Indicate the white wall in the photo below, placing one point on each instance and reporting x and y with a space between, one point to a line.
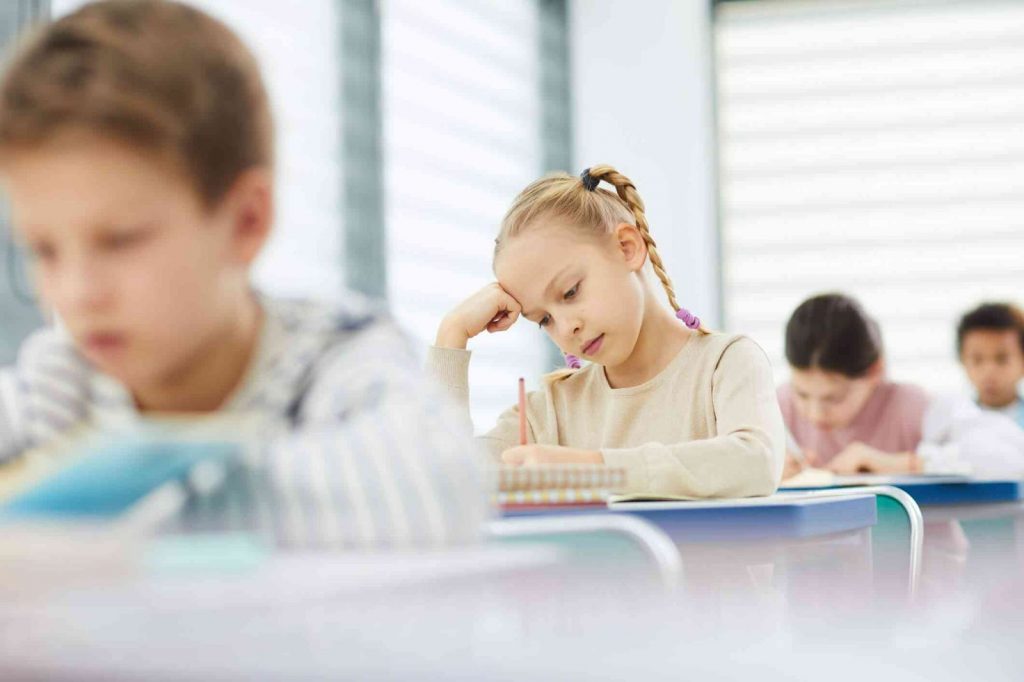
643 103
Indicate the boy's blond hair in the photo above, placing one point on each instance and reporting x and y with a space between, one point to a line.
158 75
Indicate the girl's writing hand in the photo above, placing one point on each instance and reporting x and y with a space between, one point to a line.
491 308
549 454
792 467
795 464
860 458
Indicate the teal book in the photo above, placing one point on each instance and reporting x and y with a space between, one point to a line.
108 479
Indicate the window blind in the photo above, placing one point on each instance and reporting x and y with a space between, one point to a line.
462 131
18 313
876 148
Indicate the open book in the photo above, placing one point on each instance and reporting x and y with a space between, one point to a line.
823 478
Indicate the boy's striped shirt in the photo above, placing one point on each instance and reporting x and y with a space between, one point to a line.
354 448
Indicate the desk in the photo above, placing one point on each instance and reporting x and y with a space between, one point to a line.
781 516
973 529
738 545
927 493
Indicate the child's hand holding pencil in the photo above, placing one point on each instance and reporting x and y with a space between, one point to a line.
526 454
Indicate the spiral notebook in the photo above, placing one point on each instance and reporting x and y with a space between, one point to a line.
558 485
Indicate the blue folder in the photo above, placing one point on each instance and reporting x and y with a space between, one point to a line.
971 492
935 490
781 516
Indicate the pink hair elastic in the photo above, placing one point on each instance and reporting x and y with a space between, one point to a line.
572 361
688 318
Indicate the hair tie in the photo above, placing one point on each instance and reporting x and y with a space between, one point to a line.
572 361
688 318
589 181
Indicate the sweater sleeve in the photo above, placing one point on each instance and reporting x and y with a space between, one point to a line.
449 368
744 459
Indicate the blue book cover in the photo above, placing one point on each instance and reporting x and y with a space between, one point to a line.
109 479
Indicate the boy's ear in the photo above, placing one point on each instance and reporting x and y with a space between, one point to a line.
631 245
250 207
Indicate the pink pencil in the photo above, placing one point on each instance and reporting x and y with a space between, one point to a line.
522 411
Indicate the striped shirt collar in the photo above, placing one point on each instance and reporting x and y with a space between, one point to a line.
294 336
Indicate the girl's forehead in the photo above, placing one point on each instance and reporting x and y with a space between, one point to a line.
541 246
818 380
530 260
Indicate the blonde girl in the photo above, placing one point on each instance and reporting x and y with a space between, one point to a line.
686 411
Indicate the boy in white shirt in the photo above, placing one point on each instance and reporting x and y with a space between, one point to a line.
982 434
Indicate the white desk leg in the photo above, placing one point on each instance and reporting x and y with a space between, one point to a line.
654 541
913 511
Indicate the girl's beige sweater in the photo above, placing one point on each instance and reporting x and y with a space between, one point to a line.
708 425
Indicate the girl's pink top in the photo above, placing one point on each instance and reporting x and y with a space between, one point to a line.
890 421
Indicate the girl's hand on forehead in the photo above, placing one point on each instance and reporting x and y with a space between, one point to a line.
491 309
858 458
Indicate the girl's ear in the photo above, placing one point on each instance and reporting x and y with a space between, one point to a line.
876 372
631 246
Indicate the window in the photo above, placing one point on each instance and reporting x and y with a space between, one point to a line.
462 117
877 148
17 308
